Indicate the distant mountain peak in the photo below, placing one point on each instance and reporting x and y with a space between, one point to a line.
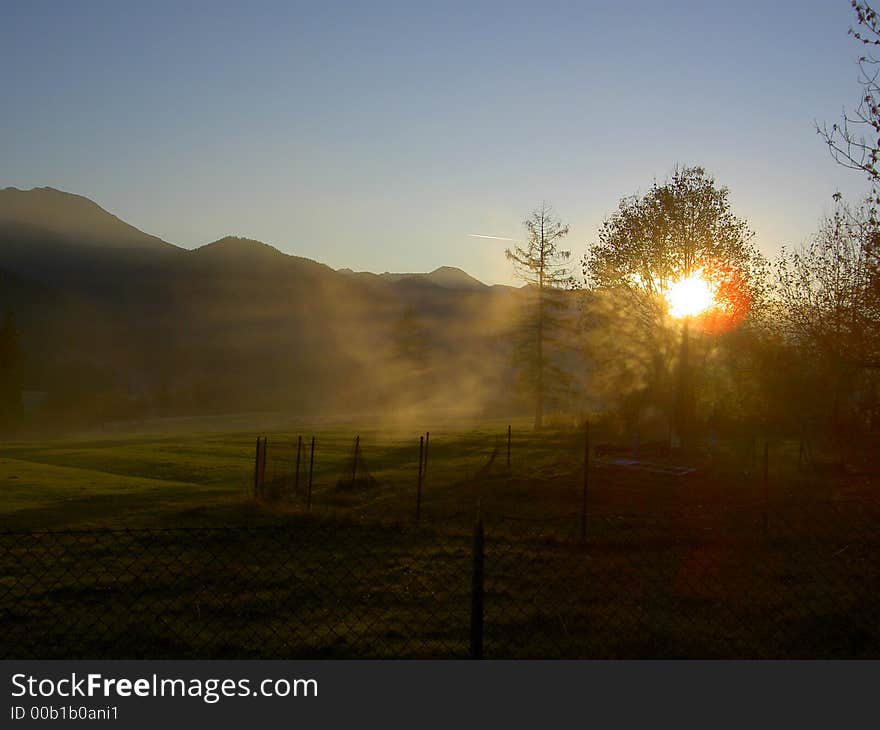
446 277
243 251
78 219
454 278
239 244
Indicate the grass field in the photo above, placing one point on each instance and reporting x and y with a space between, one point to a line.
149 479
711 563
190 477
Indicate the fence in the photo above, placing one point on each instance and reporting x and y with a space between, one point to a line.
714 584
691 586
388 479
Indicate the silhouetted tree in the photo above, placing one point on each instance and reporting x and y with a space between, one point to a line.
830 307
854 142
544 267
676 228
11 374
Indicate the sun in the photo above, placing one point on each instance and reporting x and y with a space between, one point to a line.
690 296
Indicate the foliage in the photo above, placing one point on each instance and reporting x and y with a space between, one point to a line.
678 227
829 300
545 269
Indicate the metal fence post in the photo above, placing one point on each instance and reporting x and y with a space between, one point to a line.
419 487
299 446
766 488
586 480
508 446
425 468
477 591
311 471
354 466
257 468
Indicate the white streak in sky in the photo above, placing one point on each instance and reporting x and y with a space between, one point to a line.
494 238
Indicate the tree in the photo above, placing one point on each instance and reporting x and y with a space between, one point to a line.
544 267
854 142
679 227
11 374
676 228
830 309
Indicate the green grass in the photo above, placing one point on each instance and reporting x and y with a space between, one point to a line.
155 479
149 479
672 566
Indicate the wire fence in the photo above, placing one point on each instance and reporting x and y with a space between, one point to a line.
697 586
319 590
735 583
388 479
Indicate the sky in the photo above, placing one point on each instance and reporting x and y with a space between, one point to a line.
377 136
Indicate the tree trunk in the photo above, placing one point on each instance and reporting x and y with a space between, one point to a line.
539 396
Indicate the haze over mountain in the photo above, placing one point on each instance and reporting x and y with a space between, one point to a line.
116 322
448 277
74 218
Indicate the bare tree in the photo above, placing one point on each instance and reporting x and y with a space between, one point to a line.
544 267
854 142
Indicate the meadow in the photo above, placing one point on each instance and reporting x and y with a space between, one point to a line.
150 543
175 473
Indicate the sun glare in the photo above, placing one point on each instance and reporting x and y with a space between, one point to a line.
691 296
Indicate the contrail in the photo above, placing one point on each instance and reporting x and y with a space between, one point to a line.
494 238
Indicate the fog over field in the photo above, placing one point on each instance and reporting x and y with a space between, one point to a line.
117 324
398 330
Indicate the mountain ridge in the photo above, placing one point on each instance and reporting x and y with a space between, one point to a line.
74 217
47 213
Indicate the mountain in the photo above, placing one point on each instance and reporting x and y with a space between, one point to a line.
453 278
73 217
117 323
447 277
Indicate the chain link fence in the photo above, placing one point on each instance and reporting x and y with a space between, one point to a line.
739 582
689 585
315 590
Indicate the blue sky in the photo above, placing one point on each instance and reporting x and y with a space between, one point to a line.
377 135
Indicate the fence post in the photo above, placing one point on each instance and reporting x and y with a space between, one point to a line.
257 468
586 480
311 471
766 487
263 461
508 446
354 466
425 468
477 591
419 487
299 446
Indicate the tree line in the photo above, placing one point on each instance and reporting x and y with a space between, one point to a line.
788 345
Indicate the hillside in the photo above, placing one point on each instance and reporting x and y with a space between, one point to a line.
117 323
447 277
74 217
